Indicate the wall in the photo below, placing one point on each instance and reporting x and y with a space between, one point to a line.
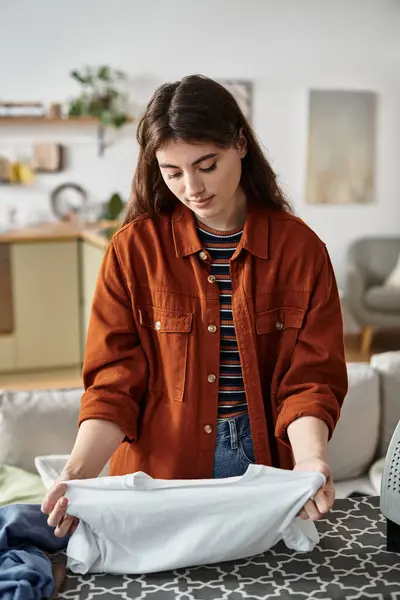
285 46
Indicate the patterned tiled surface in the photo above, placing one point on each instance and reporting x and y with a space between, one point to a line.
349 563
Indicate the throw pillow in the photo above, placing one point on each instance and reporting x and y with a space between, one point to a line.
394 278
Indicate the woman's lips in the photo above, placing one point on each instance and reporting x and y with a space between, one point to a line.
202 203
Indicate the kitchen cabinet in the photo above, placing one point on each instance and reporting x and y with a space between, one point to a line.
90 259
8 359
45 289
6 308
48 275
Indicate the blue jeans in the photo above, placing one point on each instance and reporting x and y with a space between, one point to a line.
234 450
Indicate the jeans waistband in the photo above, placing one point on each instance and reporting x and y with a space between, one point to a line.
235 427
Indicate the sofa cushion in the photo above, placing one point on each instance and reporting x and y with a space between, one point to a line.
387 366
36 423
383 298
20 487
394 278
355 439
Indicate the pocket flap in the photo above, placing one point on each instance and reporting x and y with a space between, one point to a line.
279 319
165 321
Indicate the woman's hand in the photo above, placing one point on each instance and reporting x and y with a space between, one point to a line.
325 497
55 505
95 443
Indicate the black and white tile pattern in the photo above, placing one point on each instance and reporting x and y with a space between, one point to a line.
350 562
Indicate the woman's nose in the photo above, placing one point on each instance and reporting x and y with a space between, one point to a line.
194 187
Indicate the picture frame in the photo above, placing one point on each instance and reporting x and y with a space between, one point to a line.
242 91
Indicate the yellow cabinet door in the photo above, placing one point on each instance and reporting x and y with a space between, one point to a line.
7 353
91 258
45 279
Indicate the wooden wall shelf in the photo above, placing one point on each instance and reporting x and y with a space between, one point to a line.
73 121
48 121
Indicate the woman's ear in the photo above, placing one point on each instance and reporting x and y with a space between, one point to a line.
241 144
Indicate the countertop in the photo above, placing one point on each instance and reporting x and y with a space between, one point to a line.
50 232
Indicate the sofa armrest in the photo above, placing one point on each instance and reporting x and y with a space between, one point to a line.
355 288
350 455
387 365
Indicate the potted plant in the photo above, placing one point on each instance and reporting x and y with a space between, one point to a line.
102 95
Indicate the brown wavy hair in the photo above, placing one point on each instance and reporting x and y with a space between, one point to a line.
196 109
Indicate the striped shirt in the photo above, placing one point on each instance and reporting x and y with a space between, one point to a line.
221 246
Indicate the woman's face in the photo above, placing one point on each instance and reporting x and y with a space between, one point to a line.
204 177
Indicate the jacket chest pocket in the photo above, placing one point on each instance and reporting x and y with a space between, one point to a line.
279 320
277 332
165 340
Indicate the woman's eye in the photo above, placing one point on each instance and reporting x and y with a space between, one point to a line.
209 169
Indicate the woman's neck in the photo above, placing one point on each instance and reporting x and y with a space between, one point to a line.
233 216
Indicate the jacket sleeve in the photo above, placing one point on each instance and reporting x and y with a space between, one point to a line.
115 370
316 381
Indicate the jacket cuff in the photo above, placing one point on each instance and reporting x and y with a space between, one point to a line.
122 411
314 405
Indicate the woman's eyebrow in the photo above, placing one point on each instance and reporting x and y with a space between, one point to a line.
196 162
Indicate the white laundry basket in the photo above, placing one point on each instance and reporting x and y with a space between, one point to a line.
51 466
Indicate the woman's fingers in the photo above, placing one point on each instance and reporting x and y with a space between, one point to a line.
323 501
303 515
75 523
52 497
58 512
312 511
55 505
318 507
64 527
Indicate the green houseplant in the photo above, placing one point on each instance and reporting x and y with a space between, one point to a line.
101 96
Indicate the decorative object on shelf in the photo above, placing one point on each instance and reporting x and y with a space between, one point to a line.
48 158
22 173
22 109
113 208
54 111
5 169
102 96
242 91
17 172
68 201
341 152
113 211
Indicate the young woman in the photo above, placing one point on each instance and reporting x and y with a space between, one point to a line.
215 338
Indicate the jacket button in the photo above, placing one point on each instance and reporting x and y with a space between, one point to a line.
208 429
157 325
279 325
211 279
203 255
212 328
211 378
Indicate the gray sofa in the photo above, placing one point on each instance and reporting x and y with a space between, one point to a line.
372 304
38 428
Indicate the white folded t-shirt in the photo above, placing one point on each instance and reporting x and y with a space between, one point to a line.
135 524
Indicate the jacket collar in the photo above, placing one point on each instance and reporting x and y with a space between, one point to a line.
254 238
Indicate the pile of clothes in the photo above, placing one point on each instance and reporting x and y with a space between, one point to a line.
26 545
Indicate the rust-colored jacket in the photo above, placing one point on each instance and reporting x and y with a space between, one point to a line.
149 352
